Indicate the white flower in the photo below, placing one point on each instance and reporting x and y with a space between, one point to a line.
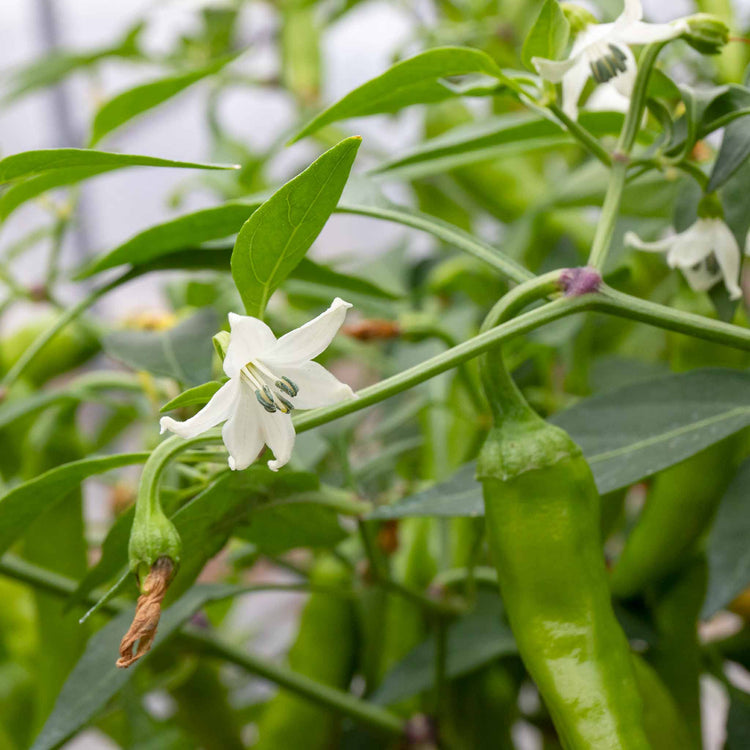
602 51
268 378
705 253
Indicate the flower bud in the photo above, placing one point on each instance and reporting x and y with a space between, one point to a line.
153 537
710 207
706 33
578 18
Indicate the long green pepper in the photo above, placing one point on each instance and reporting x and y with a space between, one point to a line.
542 518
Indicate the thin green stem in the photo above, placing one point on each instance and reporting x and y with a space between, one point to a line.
502 393
201 642
328 697
444 361
610 209
66 317
634 115
611 301
582 135
618 176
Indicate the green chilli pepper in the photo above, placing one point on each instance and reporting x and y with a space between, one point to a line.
678 512
542 519
324 651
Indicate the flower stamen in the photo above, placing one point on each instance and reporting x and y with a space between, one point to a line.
608 64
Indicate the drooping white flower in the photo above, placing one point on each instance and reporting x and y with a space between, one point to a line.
706 253
602 51
268 379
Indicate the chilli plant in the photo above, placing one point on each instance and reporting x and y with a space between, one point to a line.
494 477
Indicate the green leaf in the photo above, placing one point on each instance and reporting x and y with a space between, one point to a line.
734 152
95 679
727 550
178 237
323 275
548 36
276 237
184 353
172 236
200 394
412 81
473 641
32 163
25 502
490 139
626 434
133 102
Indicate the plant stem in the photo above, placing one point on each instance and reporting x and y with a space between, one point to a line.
581 134
66 317
618 176
610 209
328 697
191 637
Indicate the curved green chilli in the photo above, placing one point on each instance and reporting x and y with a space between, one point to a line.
542 520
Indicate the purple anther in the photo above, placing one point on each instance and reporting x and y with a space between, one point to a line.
581 280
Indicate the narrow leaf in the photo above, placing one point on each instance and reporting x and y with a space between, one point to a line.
129 104
548 36
276 237
626 434
413 81
31 163
25 502
490 139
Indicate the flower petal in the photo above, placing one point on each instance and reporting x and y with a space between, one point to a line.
572 88
219 408
648 33
250 339
632 12
309 340
727 253
317 386
700 277
631 239
554 70
242 433
278 432
625 81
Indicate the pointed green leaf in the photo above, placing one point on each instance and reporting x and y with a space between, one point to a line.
626 434
548 36
276 237
25 502
129 104
734 152
48 160
413 81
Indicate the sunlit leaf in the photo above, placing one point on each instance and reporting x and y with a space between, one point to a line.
276 237
413 81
